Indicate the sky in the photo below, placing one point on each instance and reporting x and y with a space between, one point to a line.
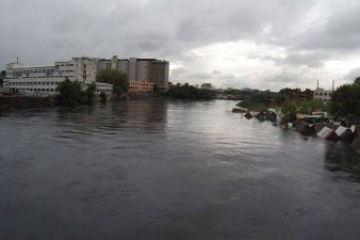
267 44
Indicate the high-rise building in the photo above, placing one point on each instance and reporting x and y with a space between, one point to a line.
159 74
145 70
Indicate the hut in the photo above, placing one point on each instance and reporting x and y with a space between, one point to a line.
319 126
346 134
328 134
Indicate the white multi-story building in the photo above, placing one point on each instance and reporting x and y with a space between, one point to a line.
43 80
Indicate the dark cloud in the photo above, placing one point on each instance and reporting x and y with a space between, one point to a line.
353 74
340 30
42 31
311 59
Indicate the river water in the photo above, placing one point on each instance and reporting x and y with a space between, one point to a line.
148 169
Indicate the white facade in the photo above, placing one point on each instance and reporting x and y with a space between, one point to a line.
103 87
43 80
323 94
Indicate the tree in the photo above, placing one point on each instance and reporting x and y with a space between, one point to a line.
69 92
289 109
345 101
357 81
118 79
313 105
187 91
90 93
103 97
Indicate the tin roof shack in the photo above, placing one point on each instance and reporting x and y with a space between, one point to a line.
328 134
346 134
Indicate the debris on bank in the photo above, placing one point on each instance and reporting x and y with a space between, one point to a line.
315 124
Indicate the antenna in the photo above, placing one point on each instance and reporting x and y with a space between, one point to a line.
333 85
318 83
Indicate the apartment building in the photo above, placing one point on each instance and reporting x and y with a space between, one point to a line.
141 86
143 73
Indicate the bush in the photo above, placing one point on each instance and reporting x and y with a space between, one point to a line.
69 92
103 97
187 91
313 105
90 93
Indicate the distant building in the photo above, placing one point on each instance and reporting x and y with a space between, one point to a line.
148 71
288 94
141 86
207 86
106 88
324 95
43 80
144 74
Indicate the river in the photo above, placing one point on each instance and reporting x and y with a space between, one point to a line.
147 169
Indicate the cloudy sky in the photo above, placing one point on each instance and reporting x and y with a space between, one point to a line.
267 44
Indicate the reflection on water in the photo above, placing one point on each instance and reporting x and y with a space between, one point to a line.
170 170
340 158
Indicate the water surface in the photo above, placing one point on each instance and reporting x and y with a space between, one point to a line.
170 170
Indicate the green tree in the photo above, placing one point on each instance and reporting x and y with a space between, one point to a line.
118 79
103 97
289 109
187 91
357 81
257 100
69 92
309 106
90 93
345 101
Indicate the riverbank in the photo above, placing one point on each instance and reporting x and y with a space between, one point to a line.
8 103
318 125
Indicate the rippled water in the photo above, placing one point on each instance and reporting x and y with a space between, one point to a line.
170 170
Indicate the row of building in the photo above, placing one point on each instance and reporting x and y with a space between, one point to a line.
144 74
289 94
